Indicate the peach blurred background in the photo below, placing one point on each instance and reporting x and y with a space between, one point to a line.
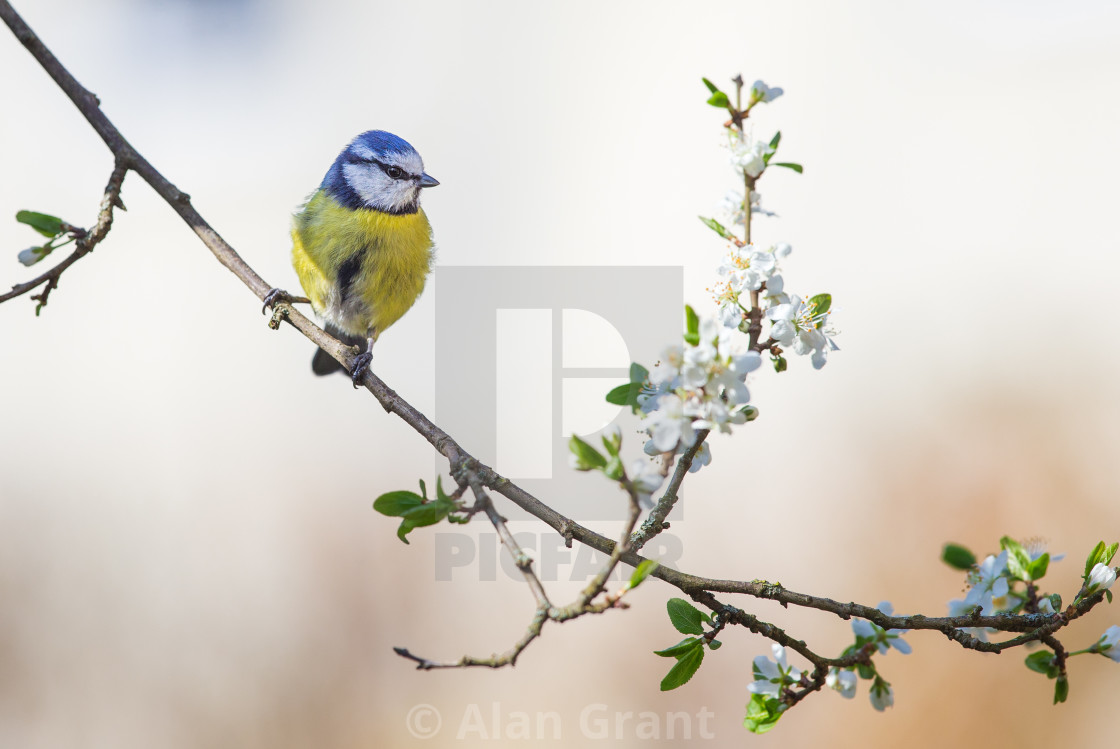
187 551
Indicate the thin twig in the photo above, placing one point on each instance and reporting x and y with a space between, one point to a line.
85 243
523 561
582 604
508 658
655 522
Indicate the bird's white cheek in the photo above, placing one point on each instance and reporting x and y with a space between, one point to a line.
410 195
369 182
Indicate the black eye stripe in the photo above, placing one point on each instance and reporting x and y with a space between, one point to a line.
385 168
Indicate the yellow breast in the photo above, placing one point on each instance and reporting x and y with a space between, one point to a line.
361 269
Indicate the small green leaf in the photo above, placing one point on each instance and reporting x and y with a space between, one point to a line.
1061 689
1109 553
684 616
1018 560
586 457
685 667
865 671
763 713
820 304
396 504
419 517
712 88
716 226
644 569
627 395
719 99
773 148
48 226
789 165
1094 557
620 395
1037 568
957 556
426 514
1041 662
715 644
1108 595
1056 601
691 320
613 469
676 651
780 363
612 441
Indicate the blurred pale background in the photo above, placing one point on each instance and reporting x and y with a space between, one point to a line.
187 551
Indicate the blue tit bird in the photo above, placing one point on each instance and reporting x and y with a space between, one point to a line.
361 244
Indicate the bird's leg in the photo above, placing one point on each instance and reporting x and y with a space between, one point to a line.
362 362
276 296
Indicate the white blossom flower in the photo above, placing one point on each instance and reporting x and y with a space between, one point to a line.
883 639
761 92
894 636
731 315
702 458
775 291
748 154
668 367
717 417
744 269
669 424
988 584
770 677
31 255
843 682
797 325
882 696
646 479
731 207
1036 547
1101 577
1044 606
731 377
700 385
1109 644
958 607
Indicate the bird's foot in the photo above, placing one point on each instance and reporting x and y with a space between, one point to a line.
361 366
279 296
273 297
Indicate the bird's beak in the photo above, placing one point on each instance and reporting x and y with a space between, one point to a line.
427 180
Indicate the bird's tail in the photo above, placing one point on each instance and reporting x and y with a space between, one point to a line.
323 363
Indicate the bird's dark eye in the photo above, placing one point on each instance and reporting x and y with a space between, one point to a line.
395 172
